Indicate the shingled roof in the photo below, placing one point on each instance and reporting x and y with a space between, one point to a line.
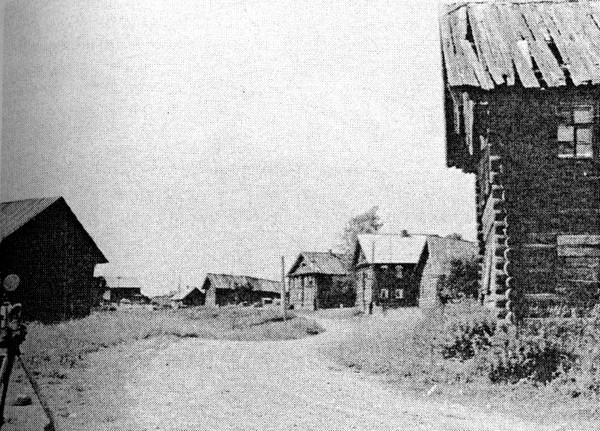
229 281
539 43
317 262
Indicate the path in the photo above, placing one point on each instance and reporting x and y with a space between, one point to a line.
223 385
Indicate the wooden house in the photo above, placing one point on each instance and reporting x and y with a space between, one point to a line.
226 289
522 92
403 270
319 280
118 288
191 296
385 269
42 242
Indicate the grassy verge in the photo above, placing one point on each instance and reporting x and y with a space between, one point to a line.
451 356
50 349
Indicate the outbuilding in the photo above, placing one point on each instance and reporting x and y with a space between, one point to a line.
191 296
43 242
226 289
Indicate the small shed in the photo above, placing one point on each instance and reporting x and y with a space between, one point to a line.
43 242
318 280
224 289
191 296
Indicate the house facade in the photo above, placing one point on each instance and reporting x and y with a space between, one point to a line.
227 289
42 242
385 269
319 280
521 83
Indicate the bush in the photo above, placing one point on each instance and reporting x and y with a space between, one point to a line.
460 283
525 355
467 332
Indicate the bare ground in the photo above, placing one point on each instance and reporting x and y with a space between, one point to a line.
217 385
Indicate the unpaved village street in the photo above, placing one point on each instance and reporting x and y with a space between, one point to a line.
222 385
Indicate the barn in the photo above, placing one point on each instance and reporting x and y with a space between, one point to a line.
42 242
522 86
191 296
435 264
317 280
226 289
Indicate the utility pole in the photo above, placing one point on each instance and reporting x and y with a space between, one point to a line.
283 298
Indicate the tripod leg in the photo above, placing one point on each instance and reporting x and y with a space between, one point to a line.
52 425
5 370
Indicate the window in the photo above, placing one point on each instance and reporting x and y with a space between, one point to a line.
399 271
399 294
383 294
575 131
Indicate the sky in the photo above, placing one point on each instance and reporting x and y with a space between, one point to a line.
194 136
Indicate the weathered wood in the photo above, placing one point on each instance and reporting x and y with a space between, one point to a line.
578 240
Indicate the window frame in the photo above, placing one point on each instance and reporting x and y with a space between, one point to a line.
565 111
399 290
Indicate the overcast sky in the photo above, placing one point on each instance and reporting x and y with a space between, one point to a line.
192 136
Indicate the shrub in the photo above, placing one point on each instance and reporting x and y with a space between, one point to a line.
460 283
467 332
529 357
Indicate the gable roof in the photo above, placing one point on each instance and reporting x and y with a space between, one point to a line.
390 248
14 215
118 282
316 262
182 294
229 281
539 43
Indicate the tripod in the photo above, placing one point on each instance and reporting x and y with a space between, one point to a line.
12 334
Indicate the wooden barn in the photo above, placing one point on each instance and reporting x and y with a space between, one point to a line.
319 280
436 262
522 92
117 288
385 269
191 296
42 242
226 289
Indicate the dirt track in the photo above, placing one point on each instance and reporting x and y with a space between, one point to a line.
221 385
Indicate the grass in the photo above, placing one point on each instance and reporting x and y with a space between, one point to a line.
406 352
50 349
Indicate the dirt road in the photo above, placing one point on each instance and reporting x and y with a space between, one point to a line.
222 385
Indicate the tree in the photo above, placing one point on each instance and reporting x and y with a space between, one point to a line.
367 222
